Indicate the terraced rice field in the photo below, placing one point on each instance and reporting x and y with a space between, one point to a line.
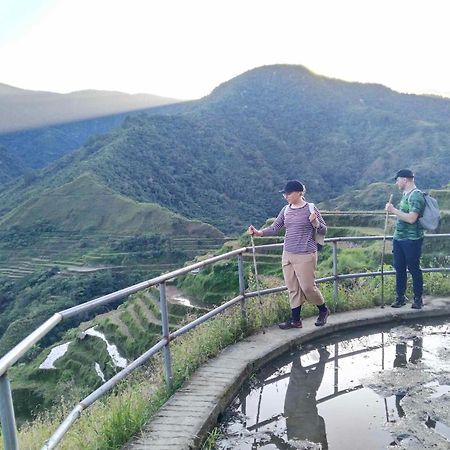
84 254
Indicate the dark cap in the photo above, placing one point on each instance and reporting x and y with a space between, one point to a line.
404 173
293 186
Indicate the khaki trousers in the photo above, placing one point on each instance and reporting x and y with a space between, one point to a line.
299 275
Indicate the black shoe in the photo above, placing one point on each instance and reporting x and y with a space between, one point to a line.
417 303
399 302
322 319
290 324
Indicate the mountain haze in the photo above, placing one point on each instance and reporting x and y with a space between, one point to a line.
46 126
24 109
38 147
223 158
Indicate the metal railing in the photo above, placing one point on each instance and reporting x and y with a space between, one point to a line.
7 416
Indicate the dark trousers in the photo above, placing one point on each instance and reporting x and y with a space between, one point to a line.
407 256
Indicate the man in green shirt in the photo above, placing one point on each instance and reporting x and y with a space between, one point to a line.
408 238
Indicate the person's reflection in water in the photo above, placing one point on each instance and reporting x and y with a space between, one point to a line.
300 408
416 353
401 361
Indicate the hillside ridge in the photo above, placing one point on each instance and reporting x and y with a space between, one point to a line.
22 109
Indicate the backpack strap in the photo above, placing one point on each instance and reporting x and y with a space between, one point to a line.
409 196
411 193
310 206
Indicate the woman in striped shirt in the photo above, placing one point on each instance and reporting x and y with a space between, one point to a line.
299 258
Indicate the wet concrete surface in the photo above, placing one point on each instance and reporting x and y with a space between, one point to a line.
369 389
184 421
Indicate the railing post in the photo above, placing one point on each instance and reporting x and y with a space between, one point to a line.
335 273
242 286
7 418
165 330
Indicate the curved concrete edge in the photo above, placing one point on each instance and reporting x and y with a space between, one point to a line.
186 418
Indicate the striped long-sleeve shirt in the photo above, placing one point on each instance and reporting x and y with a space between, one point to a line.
299 236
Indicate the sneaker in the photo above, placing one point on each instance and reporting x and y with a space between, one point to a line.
399 302
322 319
417 303
290 324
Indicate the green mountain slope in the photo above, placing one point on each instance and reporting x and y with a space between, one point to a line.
223 158
371 198
374 196
80 240
37 128
85 205
36 148
10 166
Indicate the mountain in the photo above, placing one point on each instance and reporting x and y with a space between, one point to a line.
375 195
79 240
223 158
10 166
36 128
38 147
83 205
23 109
372 197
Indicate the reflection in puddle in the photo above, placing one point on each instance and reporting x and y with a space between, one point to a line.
439 427
353 392
439 389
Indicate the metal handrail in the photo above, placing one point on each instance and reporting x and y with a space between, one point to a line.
6 407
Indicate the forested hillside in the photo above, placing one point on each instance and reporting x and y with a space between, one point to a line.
222 159
219 160
10 166
35 148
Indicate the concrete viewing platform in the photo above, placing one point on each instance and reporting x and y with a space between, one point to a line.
185 419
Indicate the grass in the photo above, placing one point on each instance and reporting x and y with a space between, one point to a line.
210 442
111 422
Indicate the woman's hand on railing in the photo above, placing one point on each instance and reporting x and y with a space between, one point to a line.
253 231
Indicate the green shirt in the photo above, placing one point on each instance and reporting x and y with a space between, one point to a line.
410 202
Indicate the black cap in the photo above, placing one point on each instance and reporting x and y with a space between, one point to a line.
293 186
404 173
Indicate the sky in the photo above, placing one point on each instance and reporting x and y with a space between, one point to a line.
183 49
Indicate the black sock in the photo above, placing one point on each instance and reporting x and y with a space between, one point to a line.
322 307
296 314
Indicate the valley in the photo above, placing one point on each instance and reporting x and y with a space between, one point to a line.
93 206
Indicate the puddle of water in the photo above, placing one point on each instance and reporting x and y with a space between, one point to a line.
57 352
438 388
350 392
118 360
441 428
